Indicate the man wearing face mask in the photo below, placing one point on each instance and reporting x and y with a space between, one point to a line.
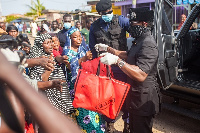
66 26
110 30
140 65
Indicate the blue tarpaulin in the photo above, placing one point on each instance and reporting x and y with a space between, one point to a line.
21 20
179 2
16 21
197 1
185 1
191 1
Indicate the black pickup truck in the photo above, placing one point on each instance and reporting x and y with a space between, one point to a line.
179 57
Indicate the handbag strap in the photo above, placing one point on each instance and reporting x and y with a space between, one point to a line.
108 70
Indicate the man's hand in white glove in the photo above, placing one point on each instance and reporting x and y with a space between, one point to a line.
109 59
10 55
101 47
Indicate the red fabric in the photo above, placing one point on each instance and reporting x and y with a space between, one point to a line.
92 65
180 25
60 50
29 128
56 53
99 93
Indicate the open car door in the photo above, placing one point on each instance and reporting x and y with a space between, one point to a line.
164 36
168 44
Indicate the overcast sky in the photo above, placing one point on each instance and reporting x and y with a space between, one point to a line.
20 6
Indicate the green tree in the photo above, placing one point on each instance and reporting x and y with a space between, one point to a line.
36 8
10 18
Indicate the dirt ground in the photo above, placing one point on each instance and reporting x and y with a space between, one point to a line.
171 122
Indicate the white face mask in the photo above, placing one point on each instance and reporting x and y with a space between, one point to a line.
107 17
67 25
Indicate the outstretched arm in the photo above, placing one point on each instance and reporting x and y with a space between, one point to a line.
121 54
45 62
48 118
105 48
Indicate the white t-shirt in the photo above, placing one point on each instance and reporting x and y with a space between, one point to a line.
34 25
16 24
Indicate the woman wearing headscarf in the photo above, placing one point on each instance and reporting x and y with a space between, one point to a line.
77 52
61 100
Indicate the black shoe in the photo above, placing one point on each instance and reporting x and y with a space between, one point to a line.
110 128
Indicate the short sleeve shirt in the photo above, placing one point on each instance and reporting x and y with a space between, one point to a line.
143 96
145 57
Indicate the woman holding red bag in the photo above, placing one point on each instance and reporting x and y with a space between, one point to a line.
78 52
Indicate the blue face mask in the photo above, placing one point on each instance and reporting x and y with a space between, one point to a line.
107 17
67 25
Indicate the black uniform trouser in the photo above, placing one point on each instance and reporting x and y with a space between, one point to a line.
140 124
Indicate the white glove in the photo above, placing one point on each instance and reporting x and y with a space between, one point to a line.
109 59
101 47
10 55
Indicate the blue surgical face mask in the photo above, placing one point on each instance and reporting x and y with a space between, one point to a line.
67 25
107 17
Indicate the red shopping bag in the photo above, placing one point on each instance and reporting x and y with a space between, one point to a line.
101 94
92 66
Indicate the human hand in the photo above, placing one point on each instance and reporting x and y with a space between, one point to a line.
65 59
109 59
58 84
47 62
101 47
88 55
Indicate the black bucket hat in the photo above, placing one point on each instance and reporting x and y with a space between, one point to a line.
141 14
103 5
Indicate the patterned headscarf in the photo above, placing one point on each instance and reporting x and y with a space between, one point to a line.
40 39
37 50
68 40
45 26
72 30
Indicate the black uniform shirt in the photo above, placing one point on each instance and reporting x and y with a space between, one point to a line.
143 98
62 35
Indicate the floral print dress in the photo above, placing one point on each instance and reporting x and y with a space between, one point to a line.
89 121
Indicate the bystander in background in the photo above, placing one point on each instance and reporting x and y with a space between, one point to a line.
85 31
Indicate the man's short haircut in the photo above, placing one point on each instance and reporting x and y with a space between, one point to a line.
88 21
66 15
1 24
11 27
78 22
55 21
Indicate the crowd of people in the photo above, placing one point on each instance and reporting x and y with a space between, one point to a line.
51 67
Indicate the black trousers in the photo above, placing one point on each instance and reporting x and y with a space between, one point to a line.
140 124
